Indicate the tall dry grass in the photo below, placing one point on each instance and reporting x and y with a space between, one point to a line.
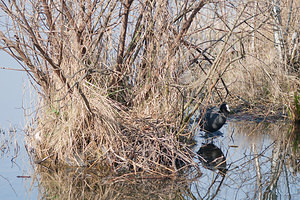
119 80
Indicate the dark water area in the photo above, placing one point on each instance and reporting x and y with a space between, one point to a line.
244 160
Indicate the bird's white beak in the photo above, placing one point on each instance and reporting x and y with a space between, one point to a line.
227 108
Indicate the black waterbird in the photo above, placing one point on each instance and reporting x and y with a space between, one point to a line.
212 119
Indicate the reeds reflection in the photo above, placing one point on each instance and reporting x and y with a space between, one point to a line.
80 183
261 160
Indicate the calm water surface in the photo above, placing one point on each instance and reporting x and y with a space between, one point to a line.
14 167
13 157
245 160
262 162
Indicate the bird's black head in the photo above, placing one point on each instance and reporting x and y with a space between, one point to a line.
224 108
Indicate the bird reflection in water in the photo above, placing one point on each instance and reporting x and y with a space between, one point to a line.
212 158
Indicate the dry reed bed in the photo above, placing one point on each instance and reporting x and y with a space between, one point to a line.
110 136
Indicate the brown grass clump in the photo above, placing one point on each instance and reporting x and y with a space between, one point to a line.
115 140
111 136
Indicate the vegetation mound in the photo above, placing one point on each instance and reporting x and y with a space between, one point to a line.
118 81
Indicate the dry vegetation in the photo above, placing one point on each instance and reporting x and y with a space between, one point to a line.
116 78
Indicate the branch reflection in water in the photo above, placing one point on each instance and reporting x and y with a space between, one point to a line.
80 183
262 162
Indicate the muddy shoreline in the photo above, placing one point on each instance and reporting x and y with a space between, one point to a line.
258 114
